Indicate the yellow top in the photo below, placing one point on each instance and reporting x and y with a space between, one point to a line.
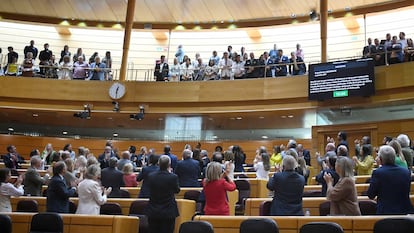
276 159
365 166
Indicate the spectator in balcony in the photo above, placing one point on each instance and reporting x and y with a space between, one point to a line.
297 66
225 65
402 40
268 69
238 68
409 50
27 66
187 71
64 52
52 69
180 54
46 54
251 67
77 54
97 71
243 51
12 58
369 50
161 70
199 70
388 41
229 51
65 69
343 195
211 71
282 61
175 71
31 48
396 48
273 52
92 58
288 189
80 69
299 52
215 58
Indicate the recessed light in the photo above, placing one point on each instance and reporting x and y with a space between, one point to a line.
290 116
239 118
77 136
283 116
35 115
265 137
64 132
160 119
115 134
210 119
10 129
214 136
261 117
109 118
232 118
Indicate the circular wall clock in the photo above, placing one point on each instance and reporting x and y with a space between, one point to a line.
117 91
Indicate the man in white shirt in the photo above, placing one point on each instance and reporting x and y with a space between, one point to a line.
225 65
238 68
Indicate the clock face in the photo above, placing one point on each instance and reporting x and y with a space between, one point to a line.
117 91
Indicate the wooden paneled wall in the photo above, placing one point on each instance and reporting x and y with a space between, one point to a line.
25 144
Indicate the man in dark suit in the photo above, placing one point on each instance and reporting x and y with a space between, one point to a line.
103 159
161 69
304 153
32 180
288 189
144 174
12 159
174 160
57 192
188 170
112 177
391 185
162 208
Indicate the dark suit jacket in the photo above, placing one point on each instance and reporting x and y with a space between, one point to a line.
33 182
58 195
188 171
391 185
111 177
163 185
306 156
161 74
319 178
288 192
104 162
9 163
143 176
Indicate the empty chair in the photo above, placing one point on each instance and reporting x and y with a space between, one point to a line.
321 227
125 194
46 223
259 225
137 208
264 208
312 193
192 195
368 207
72 207
196 227
5 223
243 186
111 208
325 208
397 225
27 206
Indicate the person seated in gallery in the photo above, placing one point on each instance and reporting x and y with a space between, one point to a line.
297 66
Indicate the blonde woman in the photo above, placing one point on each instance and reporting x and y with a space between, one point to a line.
399 159
215 187
130 178
343 195
90 192
261 165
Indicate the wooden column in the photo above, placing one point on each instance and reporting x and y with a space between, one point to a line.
129 20
324 29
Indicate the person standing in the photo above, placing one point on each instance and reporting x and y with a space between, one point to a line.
288 189
161 69
215 187
7 189
112 177
32 180
180 54
12 159
90 192
162 208
188 170
32 49
390 185
343 195
58 192
97 70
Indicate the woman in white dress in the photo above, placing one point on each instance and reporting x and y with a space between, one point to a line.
91 195
8 189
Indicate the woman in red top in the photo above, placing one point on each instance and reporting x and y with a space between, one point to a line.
130 178
216 184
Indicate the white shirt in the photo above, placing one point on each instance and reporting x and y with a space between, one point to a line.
261 173
90 197
238 69
187 71
7 190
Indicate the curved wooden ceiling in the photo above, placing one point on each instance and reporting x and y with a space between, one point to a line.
182 11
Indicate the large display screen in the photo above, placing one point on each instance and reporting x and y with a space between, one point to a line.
341 79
